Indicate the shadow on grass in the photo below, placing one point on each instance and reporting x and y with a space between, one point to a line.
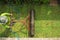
45 12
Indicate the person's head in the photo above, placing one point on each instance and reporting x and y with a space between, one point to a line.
3 19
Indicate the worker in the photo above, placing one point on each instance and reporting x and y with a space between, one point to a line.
5 19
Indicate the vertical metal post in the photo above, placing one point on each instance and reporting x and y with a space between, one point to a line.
31 23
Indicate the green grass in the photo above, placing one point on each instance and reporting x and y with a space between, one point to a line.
46 24
47 28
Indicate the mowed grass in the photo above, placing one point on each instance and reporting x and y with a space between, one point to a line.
47 28
47 21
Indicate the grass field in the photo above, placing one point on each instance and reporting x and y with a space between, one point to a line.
47 20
